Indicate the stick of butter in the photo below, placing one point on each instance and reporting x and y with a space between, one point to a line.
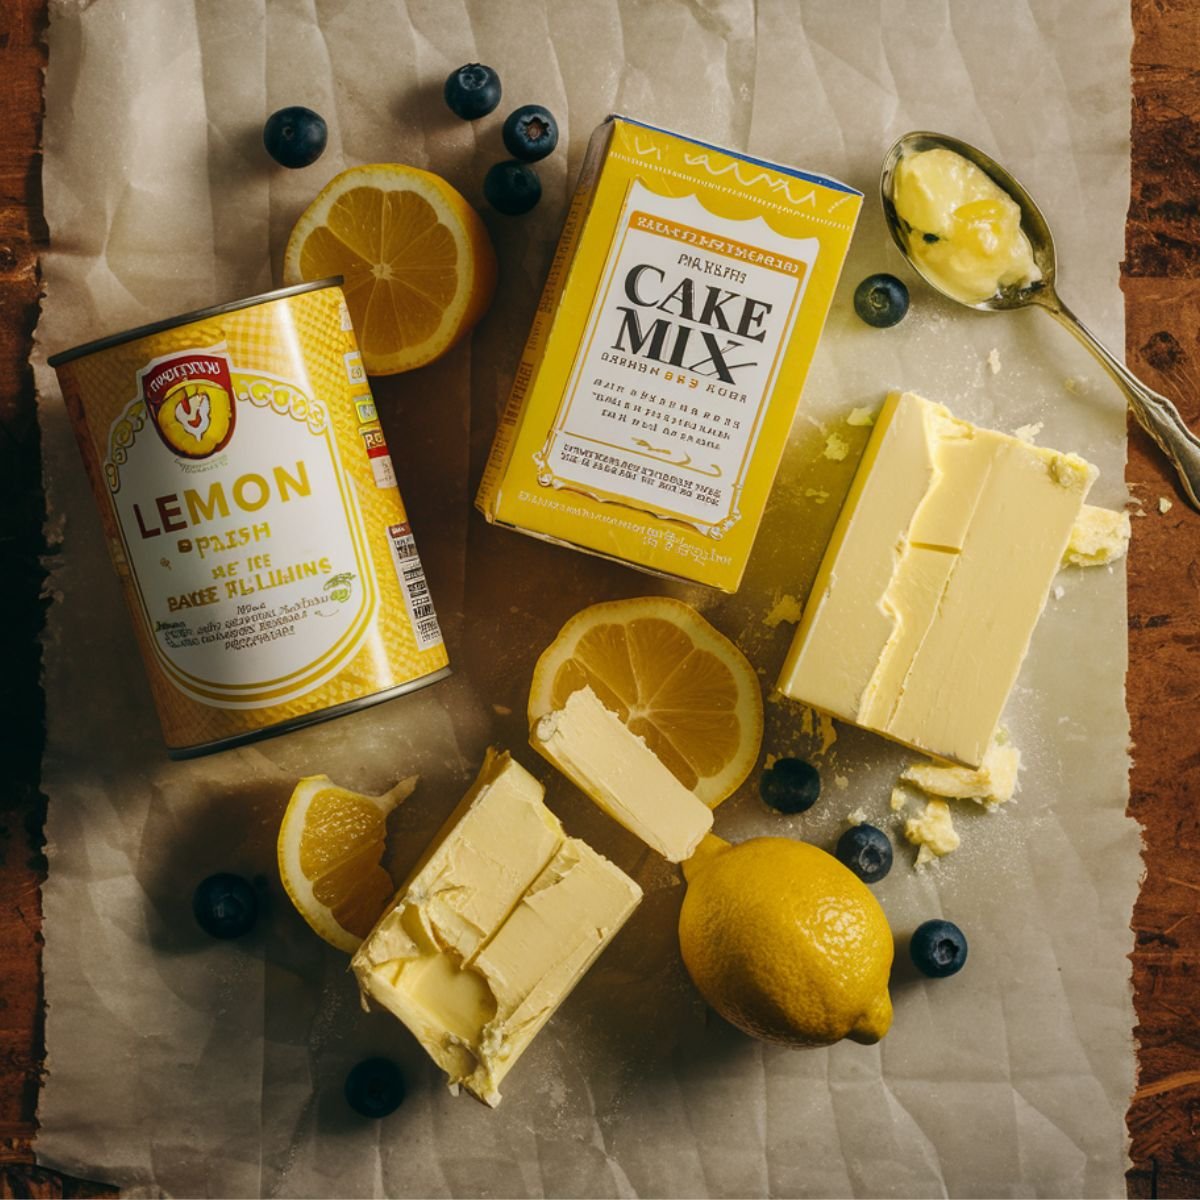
593 748
497 923
937 571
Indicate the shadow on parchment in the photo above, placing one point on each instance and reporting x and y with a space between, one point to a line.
226 829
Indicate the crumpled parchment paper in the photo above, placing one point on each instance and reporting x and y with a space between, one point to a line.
185 1066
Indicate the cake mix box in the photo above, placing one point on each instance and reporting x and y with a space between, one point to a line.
666 359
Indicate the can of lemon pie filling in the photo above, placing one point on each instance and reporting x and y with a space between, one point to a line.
252 514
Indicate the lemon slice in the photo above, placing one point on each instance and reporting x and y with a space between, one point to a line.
676 682
330 846
418 269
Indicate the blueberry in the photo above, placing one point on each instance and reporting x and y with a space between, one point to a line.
295 137
881 300
938 948
225 906
375 1087
791 785
530 133
472 91
512 188
866 851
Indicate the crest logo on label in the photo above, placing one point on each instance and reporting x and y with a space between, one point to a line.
189 397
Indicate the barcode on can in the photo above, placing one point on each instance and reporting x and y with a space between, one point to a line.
414 586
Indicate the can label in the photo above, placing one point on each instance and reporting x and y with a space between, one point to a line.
254 517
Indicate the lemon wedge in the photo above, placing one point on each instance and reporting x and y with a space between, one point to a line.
330 847
674 680
417 267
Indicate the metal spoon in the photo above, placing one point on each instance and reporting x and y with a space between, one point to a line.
1156 414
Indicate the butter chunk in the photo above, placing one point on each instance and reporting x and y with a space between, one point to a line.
544 948
993 783
937 571
1099 536
499 838
932 832
614 767
495 926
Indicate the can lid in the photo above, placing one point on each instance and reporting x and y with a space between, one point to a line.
199 314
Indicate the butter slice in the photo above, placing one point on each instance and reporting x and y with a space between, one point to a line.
496 925
614 767
937 571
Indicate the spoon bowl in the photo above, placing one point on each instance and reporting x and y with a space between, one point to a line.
1155 413
1033 224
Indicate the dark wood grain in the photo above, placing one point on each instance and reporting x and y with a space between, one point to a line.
1161 282
22 234
22 867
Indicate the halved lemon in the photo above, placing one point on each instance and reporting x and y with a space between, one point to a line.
417 266
684 688
330 846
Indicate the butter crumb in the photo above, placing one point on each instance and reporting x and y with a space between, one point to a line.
786 608
898 799
502 710
826 730
857 817
770 761
1100 536
993 359
817 724
841 782
932 832
836 447
1059 591
819 495
1027 433
1165 505
860 416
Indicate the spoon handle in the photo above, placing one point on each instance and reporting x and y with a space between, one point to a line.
1155 414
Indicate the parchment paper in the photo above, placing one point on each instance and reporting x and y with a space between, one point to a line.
185 1066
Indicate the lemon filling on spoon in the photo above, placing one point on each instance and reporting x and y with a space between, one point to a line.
963 230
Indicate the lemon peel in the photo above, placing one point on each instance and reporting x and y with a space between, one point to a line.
329 850
786 943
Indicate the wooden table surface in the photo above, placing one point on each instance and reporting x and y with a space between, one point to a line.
1161 283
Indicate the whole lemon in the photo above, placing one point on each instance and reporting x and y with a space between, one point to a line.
786 943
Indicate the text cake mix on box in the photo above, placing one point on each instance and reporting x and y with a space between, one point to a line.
667 355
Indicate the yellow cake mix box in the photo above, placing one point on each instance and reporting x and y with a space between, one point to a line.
663 370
